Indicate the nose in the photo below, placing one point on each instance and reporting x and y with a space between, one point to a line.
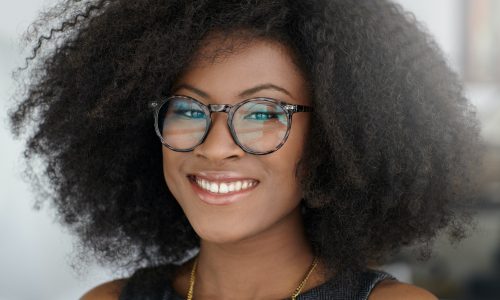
218 144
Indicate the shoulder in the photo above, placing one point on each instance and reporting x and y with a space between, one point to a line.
395 290
107 291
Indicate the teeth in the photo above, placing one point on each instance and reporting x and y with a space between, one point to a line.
225 187
214 188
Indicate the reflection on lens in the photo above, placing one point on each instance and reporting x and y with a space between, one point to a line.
182 123
260 125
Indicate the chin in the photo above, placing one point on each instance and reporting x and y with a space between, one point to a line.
223 234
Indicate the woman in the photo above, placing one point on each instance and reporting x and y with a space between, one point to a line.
166 128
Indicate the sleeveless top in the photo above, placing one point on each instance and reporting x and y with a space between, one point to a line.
151 284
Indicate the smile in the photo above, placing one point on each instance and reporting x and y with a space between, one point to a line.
221 192
225 187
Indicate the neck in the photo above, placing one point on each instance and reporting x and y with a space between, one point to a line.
268 265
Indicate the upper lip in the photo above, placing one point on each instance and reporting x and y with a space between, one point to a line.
220 175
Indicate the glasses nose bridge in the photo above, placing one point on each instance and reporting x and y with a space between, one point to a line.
226 127
219 108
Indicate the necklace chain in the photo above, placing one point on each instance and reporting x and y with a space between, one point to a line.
293 297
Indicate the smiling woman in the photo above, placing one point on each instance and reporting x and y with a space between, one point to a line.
250 149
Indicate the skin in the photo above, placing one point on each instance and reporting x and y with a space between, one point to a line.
255 248
263 233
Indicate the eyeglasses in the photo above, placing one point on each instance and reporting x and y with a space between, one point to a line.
258 125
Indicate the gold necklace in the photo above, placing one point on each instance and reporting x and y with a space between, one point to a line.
293 297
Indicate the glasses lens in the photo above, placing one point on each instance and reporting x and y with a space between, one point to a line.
182 123
260 125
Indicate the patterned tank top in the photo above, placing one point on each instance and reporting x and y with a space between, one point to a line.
152 284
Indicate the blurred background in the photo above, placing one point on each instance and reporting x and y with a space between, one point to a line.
36 253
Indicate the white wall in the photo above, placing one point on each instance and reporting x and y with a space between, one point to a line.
443 18
35 253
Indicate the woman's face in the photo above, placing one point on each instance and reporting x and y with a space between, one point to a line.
219 159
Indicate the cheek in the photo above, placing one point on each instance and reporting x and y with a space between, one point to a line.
287 165
294 147
171 170
166 164
282 166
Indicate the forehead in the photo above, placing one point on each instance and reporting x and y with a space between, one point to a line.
225 68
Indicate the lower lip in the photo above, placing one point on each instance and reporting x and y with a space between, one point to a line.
219 199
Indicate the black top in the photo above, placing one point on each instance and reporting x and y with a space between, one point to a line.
151 284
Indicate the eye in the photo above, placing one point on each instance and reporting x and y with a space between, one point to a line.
263 116
190 113
185 109
261 111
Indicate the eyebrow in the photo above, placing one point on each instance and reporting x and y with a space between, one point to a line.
245 93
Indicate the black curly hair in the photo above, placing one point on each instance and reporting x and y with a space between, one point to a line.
393 146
